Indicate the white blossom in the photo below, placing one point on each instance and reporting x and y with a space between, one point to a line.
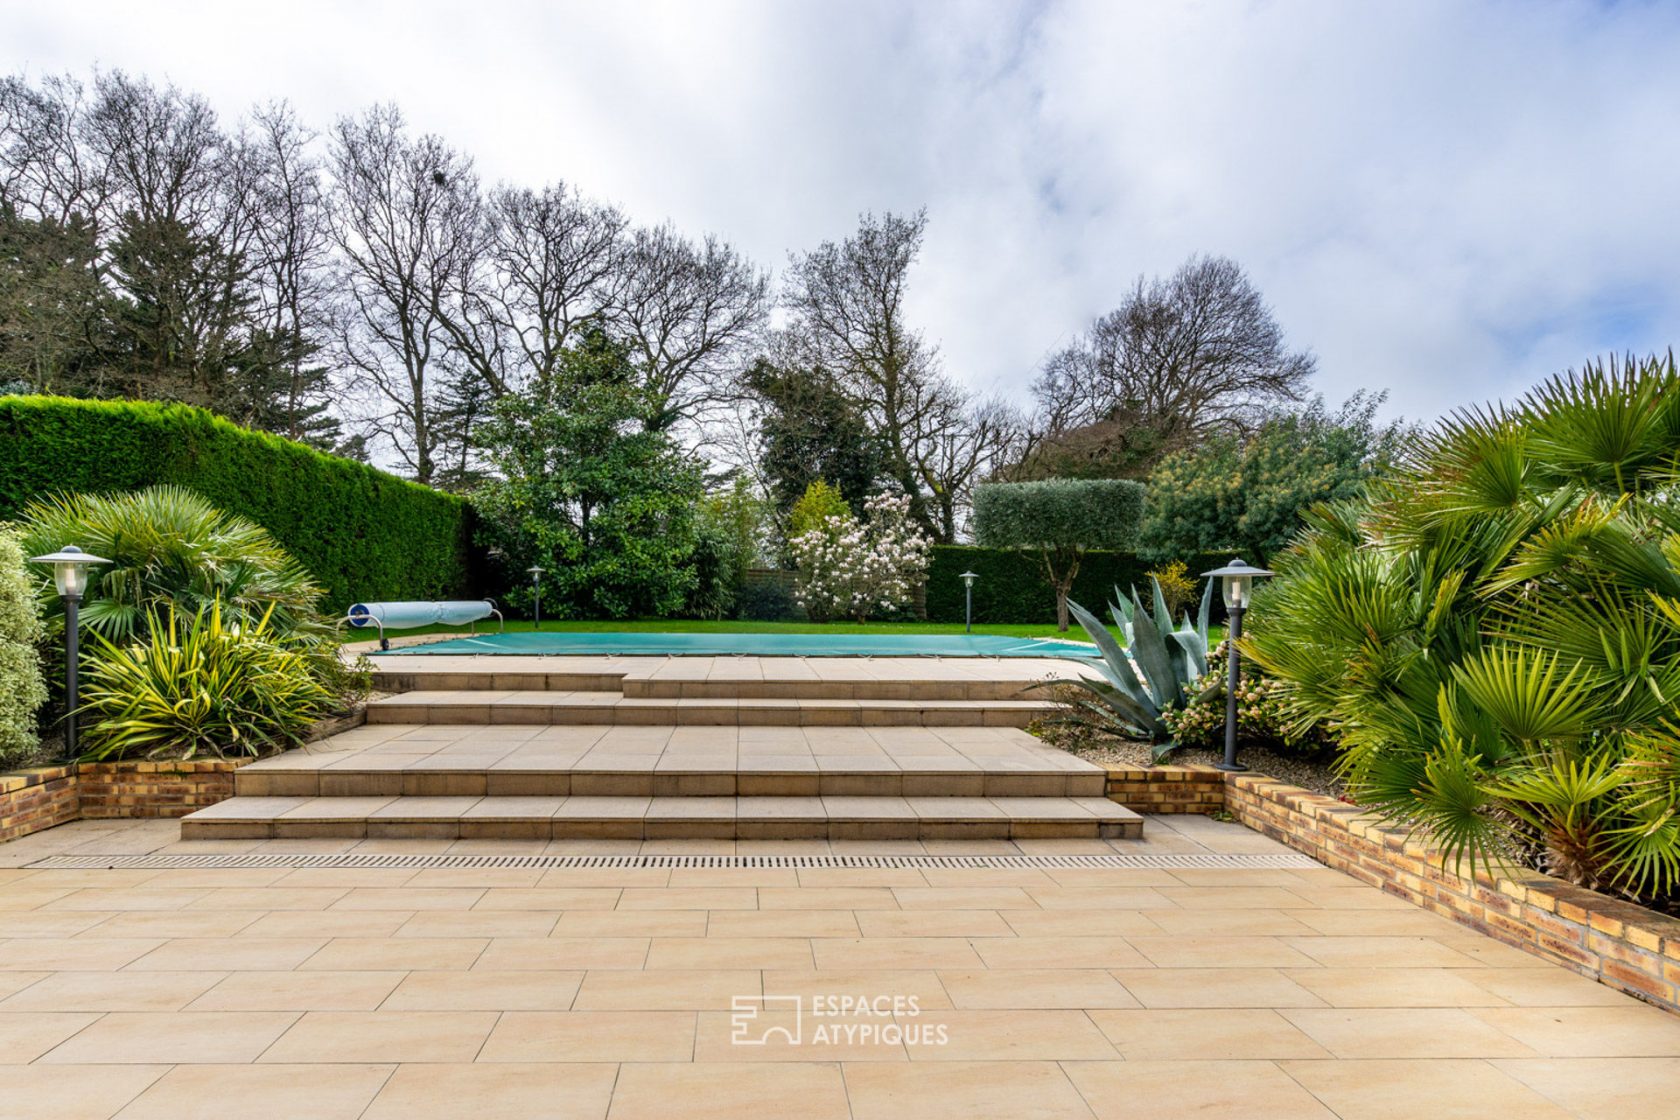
856 568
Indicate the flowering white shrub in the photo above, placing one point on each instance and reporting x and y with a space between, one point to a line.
851 568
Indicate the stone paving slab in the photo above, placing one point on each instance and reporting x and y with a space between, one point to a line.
610 991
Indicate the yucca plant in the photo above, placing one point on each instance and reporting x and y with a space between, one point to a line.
1495 632
1153 669
195 685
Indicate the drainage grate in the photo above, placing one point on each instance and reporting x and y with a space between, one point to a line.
1208 861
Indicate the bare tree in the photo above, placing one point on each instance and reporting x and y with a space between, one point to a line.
688 311
407 223
545 269
1182 357
846 303
45 171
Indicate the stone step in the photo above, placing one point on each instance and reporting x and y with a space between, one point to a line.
712 688
659 818
410 679
587 707
679 778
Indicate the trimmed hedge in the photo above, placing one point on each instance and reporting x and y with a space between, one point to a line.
362 533
1012 586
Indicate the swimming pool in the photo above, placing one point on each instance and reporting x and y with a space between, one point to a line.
756 645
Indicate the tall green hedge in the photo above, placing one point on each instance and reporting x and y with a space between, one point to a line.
362 533
1012 587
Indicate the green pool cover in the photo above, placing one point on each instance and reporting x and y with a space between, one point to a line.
757 645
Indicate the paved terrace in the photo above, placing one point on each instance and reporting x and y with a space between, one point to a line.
1264 988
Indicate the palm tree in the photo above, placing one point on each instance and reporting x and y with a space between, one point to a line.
1495 631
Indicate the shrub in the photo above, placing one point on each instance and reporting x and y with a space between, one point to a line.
814 507
767 600
1495 632
858 569
1013 587
21 689
196 685
1264 718
1177 588
170 548
359 532
1059 519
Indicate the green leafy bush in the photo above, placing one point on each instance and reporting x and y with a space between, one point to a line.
811 511
1262 710
359 532
198 684
1495 632
1058 520
21 689
1013 587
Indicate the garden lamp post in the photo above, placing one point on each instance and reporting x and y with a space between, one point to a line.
70 565
968 579
536 596
1236 585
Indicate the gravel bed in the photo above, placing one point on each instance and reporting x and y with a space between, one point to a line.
1315 774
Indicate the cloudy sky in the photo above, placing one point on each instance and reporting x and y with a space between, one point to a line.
1443 198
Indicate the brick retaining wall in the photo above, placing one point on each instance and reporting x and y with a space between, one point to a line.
38 798
1167 789
153 789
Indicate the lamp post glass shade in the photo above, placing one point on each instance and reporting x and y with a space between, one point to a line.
70 565
1236 583
968 579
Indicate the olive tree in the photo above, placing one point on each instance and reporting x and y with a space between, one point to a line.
1059 518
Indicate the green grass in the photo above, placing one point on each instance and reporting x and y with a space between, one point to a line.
698 626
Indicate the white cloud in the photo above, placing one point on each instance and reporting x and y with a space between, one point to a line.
1447 199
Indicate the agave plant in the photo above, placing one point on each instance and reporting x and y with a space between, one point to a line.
1495 632
1153 669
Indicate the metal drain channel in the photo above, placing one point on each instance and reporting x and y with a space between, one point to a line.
1186 862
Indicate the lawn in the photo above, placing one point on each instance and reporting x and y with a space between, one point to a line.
727 626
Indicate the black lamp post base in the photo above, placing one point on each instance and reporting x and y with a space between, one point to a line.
1231 767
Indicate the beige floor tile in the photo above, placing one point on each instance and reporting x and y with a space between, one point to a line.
963 898
592 1036
565 954
550 898
479 923
407 898
91 954
298 991
932 923
839 953
1396 987
1216 1034
729 1091
1171 1090
639 923
1215 987
1436 1088
1543 985
922 985
1600 1088
963 1091
1630 1031
1081 923
826 898
665 990
779 923
1221 952
178 1036
729 952
689 898
484 990
383 1036
499 1091
1046 988
26 1035
1420 1032
57 1092
1012 1035
259 1092
1053 897
229 953
179 923
372 954
113 991
1380 952
1256 922
1058 952
328 923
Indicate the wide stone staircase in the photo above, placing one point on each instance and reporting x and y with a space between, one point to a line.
901 753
